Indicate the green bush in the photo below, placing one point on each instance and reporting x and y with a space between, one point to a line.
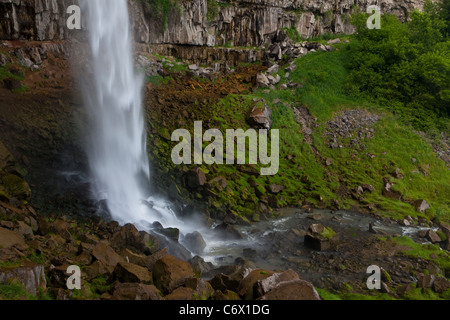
404 66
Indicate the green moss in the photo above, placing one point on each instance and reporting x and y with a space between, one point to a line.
328 233
425 251
422 294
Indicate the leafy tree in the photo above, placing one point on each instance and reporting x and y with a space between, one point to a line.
405 66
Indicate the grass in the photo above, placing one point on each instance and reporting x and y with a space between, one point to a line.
425 251
303 173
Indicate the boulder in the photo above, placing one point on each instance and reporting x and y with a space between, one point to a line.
194 242
404 289
181 293
388 192
425 281
107 255
61 227
247 285
292 290
228 231
334 41
10 239
273 69
25 230
170 273
31 276
136 291
440 284
202 289
421 205
195 178
276 188
98 268
128 237
368 187
320 238
262 81
200 266
224 282
260 117
130 272
264 286
432 236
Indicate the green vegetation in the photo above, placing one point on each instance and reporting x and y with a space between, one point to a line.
425 251
13 290
328 233
405 67
212 10
293 34
161 9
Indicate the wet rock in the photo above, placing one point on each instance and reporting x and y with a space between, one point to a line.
31 276
249 253
130 272
315 216
371 229
432 236
292 290
228 231
320 238
404 222
195 178
170 273
136 291
421 205
194 242
128 237
200 266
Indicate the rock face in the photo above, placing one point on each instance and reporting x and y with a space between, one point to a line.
192 22
32 277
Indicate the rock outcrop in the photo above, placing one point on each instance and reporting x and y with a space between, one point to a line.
242 23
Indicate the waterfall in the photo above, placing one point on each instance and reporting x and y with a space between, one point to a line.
117 139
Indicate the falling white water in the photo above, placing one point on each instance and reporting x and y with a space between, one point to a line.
117 139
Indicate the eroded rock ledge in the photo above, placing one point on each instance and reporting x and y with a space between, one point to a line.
193 22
